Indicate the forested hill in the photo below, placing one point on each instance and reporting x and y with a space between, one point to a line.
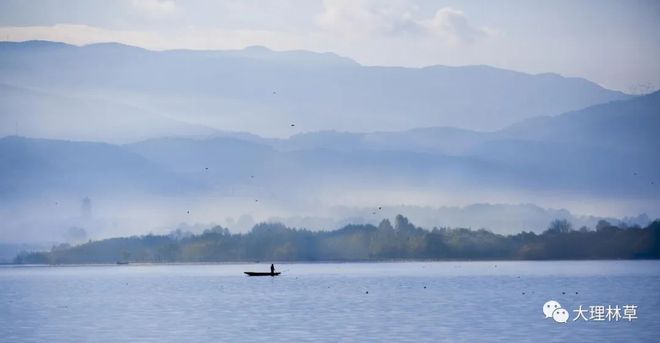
275 242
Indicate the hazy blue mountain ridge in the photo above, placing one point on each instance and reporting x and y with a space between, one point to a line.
262 91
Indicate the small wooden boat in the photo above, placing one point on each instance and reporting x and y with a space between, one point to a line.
261 273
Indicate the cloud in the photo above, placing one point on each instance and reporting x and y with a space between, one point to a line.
373 32
453 25
155 7
360 19
363 18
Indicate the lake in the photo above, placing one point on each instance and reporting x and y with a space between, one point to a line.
403 301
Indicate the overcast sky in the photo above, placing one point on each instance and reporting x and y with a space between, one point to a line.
613 43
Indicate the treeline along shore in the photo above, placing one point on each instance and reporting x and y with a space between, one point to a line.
401 241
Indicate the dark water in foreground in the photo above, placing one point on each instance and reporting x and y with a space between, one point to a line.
462 301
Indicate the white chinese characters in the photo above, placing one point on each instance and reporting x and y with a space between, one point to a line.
600 313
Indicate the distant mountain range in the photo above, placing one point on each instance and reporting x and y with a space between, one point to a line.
159 139
606 151
39 166
117 93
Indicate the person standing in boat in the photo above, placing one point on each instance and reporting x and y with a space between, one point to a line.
272 268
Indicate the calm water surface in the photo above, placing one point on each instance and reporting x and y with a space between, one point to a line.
416 301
